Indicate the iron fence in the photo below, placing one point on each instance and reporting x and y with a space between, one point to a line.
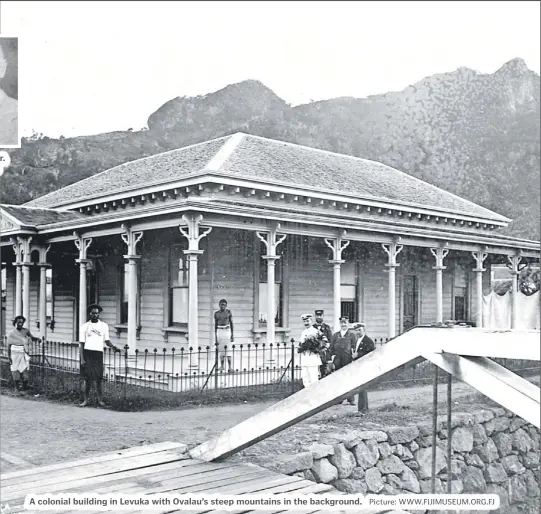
192 373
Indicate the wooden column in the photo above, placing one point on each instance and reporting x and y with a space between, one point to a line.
271 240
337 245
43 265
131 238
26 263
82 245
439 254
193 234
515 267
18 306
479 257
392 250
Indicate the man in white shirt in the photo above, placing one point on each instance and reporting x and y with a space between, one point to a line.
310 362
94 334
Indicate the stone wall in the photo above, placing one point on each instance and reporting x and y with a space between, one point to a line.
493 451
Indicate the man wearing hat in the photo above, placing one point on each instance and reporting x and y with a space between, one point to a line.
18 352
326 332
92 336
364 346
342 345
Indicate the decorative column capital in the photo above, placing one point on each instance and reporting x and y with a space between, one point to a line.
439 254
337 245
392 250
195 231
131 238
82 243
25 250
271 239
479 257
515 264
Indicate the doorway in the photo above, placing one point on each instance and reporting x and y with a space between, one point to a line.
410 302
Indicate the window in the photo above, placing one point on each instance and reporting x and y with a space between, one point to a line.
348 290
124 292
263 290
178 286
460 294
49 295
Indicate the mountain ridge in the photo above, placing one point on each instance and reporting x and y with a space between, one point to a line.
475 135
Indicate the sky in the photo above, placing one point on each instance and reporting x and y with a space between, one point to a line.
93 67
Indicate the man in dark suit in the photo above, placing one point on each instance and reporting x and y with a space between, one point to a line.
326 331
342 346
363 346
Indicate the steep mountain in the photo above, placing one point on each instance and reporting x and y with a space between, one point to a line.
476 135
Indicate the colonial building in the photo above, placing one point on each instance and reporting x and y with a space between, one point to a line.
275 228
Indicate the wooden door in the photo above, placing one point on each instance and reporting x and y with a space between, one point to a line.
410 293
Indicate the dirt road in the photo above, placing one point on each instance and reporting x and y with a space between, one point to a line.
36 431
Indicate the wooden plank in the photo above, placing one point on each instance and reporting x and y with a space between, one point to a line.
119 454
94 474
475 374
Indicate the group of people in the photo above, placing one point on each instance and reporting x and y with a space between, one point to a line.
332 351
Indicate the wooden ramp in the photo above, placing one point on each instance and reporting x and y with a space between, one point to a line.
153 469
414 346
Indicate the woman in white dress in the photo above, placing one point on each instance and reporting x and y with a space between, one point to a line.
310 360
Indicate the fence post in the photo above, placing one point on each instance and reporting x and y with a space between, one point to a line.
216 357
292 367
42 363
126 347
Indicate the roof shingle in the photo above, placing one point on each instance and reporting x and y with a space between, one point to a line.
34 217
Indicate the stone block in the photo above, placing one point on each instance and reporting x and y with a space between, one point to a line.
502 493
402 451
522 442
349 486
343 460
320 450
410 482
483 416
532 484
366 454
472 459
412 464
531 460
488 451
501 424
357 473
516 423
479 434
460 419
474 481
504 443
324 471
288 464
512 465
458 467
518 490
374 481
426 487
390 465
495 473
425 428
413 446
402 435
424 457
308 475
385 450
462 439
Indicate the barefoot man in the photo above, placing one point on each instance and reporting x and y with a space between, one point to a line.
93 335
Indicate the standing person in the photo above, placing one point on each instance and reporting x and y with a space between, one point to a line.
18 352
326 332
223 332
342 345
309 349
92 336
364 346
